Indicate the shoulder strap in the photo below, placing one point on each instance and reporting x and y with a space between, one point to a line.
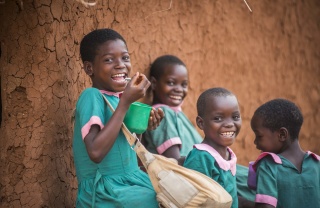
131 138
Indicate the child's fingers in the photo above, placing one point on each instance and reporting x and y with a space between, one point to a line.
156 115
153 120
141 81
151 124
160 114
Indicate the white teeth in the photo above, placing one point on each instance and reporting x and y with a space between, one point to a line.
176 97
228 134
118 75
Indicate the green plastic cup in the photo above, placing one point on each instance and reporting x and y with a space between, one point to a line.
137 117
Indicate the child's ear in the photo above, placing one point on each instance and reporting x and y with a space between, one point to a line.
88 68
283 134
153 82
199 122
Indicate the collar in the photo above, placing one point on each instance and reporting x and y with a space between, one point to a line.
274 156
174 108
116 94
277 159
223 164
315 156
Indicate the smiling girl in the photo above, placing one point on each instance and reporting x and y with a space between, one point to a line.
175 135
106 167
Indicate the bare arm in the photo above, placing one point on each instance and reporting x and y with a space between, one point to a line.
244 203
99 141
261 205
174 152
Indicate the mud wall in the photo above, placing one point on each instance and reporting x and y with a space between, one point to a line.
271 52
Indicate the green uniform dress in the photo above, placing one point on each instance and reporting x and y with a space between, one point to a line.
280 184
174 129
242 183
117 180
205 159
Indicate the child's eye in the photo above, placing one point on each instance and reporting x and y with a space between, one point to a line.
217 118
109 60
236 117
170 83
185 85
126 58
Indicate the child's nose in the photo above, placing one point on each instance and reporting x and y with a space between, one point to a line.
229 123
178 88
119 63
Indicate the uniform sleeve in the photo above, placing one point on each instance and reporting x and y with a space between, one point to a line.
266 182
202 162
166 134
90 110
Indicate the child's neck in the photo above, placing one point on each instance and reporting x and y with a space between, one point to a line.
294 154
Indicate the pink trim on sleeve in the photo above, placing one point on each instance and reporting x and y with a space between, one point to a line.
265 199
275 157
169 143
223 164
86 128
315 156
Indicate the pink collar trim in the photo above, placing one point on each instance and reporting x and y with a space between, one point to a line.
223 164
116 94
274 156
315 156
277 159
174 108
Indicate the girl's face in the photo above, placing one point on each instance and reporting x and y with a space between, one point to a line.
221 122
172 86
265 139
110 67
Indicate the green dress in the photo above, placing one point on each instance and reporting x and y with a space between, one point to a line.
242 183
205 159
117 180
174 129
280 184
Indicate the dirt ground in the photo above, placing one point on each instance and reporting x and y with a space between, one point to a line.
268 53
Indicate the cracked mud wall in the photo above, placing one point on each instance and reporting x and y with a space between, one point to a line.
272 52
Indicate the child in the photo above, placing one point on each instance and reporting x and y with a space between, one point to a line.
219 118
287 176
106 166
175 135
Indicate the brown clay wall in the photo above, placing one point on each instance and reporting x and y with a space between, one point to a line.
271 52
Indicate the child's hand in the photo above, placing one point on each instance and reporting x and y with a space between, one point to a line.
136 88
156 115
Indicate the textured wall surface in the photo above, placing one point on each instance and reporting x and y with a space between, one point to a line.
269 53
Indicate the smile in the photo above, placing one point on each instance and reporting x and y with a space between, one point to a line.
228 134
174 97
119 77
